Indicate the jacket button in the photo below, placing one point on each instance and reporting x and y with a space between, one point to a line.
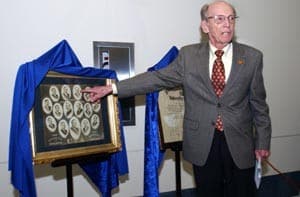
213 123
219 105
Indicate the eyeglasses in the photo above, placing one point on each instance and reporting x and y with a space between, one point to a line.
218 19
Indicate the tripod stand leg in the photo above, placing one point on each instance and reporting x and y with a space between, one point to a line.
69 180
178 173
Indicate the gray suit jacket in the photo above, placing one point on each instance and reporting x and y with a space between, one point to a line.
242 106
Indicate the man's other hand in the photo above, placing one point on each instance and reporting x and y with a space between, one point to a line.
263 154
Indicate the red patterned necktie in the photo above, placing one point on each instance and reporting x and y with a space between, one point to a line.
218 82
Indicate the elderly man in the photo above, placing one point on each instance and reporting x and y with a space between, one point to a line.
225 99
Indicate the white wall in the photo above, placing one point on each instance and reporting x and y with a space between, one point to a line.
29 28
274 28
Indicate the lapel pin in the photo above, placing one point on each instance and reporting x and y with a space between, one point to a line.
240 62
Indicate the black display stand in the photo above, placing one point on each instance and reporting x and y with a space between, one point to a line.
176 147
70 161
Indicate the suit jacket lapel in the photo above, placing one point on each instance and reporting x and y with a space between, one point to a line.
203 56
238 61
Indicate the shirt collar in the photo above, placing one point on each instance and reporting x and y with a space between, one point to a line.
226 49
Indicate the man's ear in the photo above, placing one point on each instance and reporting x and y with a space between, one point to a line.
204 26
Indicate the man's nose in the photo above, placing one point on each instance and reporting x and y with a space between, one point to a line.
226 22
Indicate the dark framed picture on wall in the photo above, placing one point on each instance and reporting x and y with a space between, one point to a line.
64 123
118 56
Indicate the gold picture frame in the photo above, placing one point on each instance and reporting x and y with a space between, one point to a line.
65 124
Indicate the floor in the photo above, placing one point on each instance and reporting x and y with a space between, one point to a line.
271 186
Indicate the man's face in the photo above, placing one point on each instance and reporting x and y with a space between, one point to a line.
219 34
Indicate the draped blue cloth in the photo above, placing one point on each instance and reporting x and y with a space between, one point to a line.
60 58
153 155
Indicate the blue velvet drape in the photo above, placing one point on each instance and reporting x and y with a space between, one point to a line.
60 58
153 155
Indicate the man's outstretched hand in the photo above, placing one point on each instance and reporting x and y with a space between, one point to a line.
97 92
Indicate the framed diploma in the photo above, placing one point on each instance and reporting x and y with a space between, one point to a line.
171 110
65 124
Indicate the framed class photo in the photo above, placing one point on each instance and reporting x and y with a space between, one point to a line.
64 123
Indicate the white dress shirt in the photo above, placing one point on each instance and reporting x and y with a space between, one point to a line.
226 58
